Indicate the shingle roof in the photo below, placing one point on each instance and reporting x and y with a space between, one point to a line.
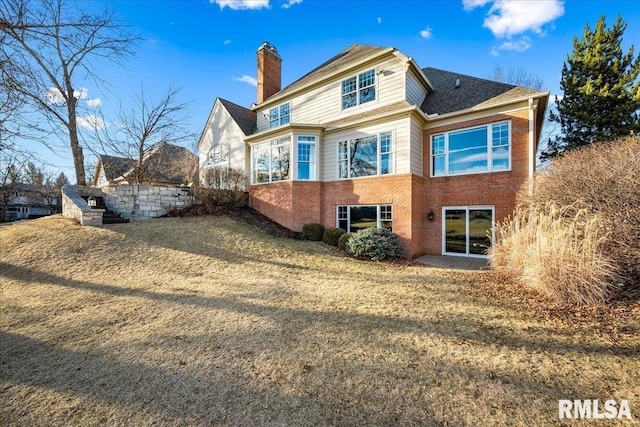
245 118
344 59
163 163
115 167
170 163
472 92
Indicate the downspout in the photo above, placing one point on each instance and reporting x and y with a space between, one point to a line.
532 151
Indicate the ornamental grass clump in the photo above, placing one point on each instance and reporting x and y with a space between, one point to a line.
559 252
575 232
375 243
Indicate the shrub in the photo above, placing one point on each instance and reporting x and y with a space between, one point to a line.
312 231
331 235
576 233
215 200
342 241
375 243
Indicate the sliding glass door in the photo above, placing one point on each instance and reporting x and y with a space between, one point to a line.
467 230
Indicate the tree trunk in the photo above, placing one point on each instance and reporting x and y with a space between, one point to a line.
76 149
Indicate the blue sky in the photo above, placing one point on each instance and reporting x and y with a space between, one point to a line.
208 48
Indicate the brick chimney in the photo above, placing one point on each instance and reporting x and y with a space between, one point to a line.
269 68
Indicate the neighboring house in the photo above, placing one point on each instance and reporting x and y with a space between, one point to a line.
164 164
27 201
370 139
221 146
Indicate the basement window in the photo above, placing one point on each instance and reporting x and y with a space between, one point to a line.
358 217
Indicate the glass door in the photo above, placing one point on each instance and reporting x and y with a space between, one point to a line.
467 230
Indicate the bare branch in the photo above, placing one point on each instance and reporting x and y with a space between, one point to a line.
47 42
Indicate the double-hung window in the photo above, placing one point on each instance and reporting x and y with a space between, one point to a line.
271 160
473 150
366 156
306 157
359 89
280 115
359 217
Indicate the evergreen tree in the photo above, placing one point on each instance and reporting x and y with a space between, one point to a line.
61 180
601 90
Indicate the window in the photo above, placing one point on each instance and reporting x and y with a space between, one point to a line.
467 230
279 115
367 156
271 160
307 157
473 150
219 155
359 217
359 89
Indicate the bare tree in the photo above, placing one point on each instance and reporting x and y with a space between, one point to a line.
142 127
523 77
53 45
517 77
12 164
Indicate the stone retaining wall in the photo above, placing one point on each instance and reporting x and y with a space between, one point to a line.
137 201
74 206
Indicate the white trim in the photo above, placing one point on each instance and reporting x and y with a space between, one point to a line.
489 127
481 111
392 163
378 213
466 209
358 89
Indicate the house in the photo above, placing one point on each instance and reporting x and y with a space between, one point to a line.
369 138
28 201
164 164
221 146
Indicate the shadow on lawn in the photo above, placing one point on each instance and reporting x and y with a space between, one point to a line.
464 328
232 395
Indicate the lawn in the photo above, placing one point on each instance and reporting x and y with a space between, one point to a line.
209 321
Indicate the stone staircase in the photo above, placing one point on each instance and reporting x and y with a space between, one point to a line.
108 217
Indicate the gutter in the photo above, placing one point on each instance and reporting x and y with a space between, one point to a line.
436 116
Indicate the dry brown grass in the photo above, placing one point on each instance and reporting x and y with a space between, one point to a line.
558 251
207 321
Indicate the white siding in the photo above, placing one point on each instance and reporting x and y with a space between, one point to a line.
223 130
416 144
416 92
324 104
401 138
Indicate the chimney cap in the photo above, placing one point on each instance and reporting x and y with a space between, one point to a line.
269 48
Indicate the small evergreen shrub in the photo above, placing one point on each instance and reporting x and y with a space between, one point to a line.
342 241
375 243
331 235
313 231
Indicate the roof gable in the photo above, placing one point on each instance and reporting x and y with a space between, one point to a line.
448 96
244 117
342 61
114 167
